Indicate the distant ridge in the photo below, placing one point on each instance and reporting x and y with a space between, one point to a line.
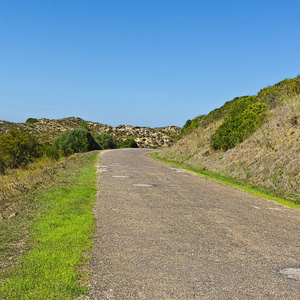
48 129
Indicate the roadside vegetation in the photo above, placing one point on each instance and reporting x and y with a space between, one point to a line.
226 180
27 165
252 139
46 240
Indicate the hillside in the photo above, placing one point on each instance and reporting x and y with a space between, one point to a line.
268 156
46 130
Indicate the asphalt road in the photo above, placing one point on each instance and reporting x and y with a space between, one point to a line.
163 233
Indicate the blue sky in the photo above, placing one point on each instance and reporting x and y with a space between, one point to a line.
140 62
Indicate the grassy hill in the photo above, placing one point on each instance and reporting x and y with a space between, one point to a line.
263 140
47 130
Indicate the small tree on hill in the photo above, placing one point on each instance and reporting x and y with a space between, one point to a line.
129 143
31 120
106 141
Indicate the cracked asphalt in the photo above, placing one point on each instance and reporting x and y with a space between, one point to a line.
163 233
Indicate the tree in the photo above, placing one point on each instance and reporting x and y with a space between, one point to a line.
106 141
75 141
18 148
129 143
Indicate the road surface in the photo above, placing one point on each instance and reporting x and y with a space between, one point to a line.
163 233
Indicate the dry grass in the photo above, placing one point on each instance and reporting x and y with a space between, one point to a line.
18 182
269 158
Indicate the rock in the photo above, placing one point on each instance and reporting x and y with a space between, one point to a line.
12 215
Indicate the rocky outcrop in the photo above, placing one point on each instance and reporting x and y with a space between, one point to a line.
148 137
46 130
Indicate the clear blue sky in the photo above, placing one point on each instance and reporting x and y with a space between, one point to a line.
141 62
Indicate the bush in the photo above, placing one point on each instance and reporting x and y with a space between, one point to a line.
106 141
241 120
18 148
31 120
129 143
84 125
74 141
205 120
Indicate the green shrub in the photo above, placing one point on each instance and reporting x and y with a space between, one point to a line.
84 125
241 120
129 143
18 148
187 124
205 120
274 95
106 141
31 120
75 141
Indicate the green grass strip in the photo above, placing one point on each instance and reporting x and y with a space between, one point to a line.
255 190
60 236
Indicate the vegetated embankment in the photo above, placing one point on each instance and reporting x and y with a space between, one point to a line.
257 144
46 228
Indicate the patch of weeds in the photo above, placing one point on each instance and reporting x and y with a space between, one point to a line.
247 172
206 153
189 157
